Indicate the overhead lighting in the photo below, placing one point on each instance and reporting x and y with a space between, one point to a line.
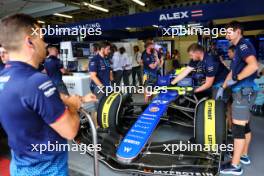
156 26
96 7
62 15
41 22
128 28
139 2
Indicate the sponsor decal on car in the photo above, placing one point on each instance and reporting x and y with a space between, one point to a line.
180 173
154 109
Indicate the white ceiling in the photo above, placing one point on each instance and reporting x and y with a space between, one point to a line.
35 8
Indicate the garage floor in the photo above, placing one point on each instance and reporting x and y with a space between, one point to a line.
83 164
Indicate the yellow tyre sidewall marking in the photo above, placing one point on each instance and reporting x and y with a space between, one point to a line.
106 109
209 124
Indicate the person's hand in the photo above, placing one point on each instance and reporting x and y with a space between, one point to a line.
231 82
220 93
89 98
74 101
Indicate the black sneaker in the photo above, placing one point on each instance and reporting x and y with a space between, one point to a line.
245 159
229 168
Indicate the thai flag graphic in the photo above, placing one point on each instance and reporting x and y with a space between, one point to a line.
197 13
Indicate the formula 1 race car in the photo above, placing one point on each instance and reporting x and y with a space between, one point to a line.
126 128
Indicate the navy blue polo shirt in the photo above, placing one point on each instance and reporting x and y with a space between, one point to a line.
147 60
2 66
29 104
102 68
243 50
53 66
210 67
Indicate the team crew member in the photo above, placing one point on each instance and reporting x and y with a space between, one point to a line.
38 115
231 55
54 69
241 79
151 64
136 68
214 71
127 66
117 65
100 69
4 57
159 50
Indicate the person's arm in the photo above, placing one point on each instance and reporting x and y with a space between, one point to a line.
68 124
139 58
251 67
228 77
111 76
156 63
93 72
94 78
161 61
44 71
115 61
65 71
208 83
182 75
60 115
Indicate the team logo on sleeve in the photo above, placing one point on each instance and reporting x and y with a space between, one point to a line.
50 92
243 47
48 88
210 69
3 81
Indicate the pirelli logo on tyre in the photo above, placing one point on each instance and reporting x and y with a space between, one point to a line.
106 109
209 123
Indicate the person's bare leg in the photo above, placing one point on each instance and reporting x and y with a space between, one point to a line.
239 144
247 143
229 115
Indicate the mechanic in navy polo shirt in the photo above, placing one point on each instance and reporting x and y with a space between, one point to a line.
100 69
53 66
207 67
241 79
32 112
151 64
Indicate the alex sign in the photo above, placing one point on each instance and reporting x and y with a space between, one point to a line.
180 15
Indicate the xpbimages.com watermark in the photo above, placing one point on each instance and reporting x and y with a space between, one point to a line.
182 147
82 31
148 90
52 147
193 29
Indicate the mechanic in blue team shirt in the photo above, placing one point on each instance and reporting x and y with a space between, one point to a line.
151 64
241 79
206 66
32 112
4 57
100 69
53 66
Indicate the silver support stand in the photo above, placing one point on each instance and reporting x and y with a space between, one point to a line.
94 135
